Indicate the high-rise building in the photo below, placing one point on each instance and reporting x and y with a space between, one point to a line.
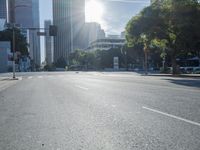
93 31
36 24
78 22
26 14
62 18
48 44
69 17
11 11
3 9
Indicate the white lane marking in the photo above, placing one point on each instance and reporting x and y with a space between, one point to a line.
114 106
61 76
40 77
30 77
172 116
83 88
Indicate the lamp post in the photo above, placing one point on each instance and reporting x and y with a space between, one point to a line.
13 48
12 26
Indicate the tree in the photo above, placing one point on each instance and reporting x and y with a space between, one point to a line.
61 63
20 41
171 21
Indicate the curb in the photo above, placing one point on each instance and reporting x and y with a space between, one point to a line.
176 76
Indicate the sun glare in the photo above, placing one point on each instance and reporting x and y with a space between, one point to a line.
94 11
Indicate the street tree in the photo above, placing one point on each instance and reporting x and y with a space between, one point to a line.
176 23
21 44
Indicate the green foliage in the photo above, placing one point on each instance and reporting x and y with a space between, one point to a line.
20 41
96 60
61 63
172 26
51 67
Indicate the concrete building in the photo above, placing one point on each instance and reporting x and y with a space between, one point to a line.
69 17
123 34
5 57
3 9
48 44
107 43
62 18
26 14
93 32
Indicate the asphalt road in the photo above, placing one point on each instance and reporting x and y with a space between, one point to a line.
99 111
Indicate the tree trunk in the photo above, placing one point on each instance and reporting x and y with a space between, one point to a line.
175 69
146 62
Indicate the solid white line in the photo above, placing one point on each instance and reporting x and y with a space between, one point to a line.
172 116
83 88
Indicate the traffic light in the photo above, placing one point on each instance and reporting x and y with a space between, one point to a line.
53 30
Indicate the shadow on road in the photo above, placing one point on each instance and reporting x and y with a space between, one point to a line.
185 82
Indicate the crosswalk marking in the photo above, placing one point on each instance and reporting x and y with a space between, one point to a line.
48 76
40 77
30 77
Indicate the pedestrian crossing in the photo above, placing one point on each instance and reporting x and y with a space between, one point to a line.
44 77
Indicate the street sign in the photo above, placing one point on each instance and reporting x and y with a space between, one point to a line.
53 30
41 33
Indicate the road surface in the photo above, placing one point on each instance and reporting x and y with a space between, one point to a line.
99 111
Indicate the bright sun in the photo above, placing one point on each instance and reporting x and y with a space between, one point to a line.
94 11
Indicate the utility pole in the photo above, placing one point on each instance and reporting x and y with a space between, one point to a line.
13 43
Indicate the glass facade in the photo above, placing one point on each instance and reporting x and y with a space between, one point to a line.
3 9
62 18
27 15
48 44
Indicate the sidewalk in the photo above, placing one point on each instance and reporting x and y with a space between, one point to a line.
6 82
170 75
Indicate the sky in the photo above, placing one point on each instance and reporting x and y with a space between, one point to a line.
116 13
113 15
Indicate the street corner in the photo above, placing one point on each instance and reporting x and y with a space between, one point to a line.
10 79
6 82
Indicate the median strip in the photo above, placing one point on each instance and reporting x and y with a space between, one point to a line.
172 116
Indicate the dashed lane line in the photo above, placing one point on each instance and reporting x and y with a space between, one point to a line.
172 116
83 88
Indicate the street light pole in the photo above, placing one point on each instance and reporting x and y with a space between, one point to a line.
14 77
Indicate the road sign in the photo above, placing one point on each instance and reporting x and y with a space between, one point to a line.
53 30
41 33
